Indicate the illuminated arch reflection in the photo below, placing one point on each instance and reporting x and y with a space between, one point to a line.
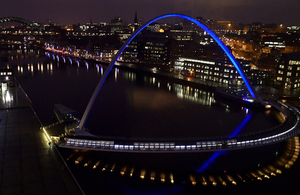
235 133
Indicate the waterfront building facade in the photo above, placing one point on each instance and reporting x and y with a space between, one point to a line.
218 71
287 71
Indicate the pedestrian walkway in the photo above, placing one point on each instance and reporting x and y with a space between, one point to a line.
28 164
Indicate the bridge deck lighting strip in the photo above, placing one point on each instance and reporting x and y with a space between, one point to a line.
195 146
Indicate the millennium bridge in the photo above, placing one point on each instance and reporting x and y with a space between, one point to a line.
84 140
288 129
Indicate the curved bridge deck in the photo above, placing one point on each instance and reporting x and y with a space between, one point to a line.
288 129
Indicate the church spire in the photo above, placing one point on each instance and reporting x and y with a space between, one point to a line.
135 22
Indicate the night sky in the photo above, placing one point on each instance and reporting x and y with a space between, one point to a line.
81 11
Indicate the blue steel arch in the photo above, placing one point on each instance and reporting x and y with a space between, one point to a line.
19 20
111 64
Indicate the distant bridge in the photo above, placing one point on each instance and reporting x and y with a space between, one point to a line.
20 20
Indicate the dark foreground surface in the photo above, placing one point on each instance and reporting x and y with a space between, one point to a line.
28 165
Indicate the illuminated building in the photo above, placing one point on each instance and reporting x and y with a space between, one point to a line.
149 47
219 71
275 41
287 69
260 77
255 27
164 47
7 76
293 29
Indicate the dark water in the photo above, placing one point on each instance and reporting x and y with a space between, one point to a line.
138 105
132 104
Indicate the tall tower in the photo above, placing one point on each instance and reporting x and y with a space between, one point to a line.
135 22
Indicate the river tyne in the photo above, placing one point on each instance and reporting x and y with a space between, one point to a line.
136 105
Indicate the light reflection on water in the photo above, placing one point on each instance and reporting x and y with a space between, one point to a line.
264 172
283 161
131 101
214 157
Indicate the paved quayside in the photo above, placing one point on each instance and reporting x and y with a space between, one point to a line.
28 165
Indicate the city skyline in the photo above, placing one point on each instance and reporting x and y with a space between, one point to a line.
68 12
173 117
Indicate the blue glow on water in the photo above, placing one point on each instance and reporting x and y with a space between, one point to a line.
241 126
236 131
210 161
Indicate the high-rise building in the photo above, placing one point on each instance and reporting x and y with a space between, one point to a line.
287 69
